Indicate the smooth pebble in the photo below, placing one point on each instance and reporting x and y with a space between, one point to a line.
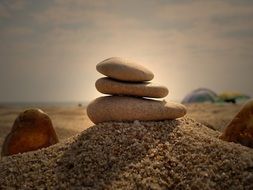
125 70
123 108
144 89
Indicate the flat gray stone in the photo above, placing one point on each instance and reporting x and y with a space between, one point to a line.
124 70
142 89
123 108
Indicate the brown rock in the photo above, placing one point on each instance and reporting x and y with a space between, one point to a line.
125 70
144 89
123 108
240 129
31 130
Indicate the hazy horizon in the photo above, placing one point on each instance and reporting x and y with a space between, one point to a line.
49 49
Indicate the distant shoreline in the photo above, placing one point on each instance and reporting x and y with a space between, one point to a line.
43 104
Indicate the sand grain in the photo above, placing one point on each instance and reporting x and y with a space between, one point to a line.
176 154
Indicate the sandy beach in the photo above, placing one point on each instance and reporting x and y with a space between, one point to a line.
175 154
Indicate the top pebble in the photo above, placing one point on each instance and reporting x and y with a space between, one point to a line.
124 70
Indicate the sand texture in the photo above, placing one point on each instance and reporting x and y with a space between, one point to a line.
175 154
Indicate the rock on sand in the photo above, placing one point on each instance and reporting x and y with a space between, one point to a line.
240 129
123 108
32 130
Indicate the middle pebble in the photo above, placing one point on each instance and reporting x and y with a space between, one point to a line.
142 89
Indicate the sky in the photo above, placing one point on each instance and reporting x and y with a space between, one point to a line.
49 49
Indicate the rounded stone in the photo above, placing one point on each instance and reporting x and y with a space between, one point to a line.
125 70
240 129
123 108
32 130
145 89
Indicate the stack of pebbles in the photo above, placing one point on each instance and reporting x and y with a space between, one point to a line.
127 83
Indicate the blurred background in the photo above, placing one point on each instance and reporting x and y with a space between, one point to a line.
49 49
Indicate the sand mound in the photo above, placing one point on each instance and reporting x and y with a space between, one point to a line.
178 154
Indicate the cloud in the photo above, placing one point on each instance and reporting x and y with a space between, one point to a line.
17 31
217 27
183 31
69 11
4 13
7 7
194 28
15 5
